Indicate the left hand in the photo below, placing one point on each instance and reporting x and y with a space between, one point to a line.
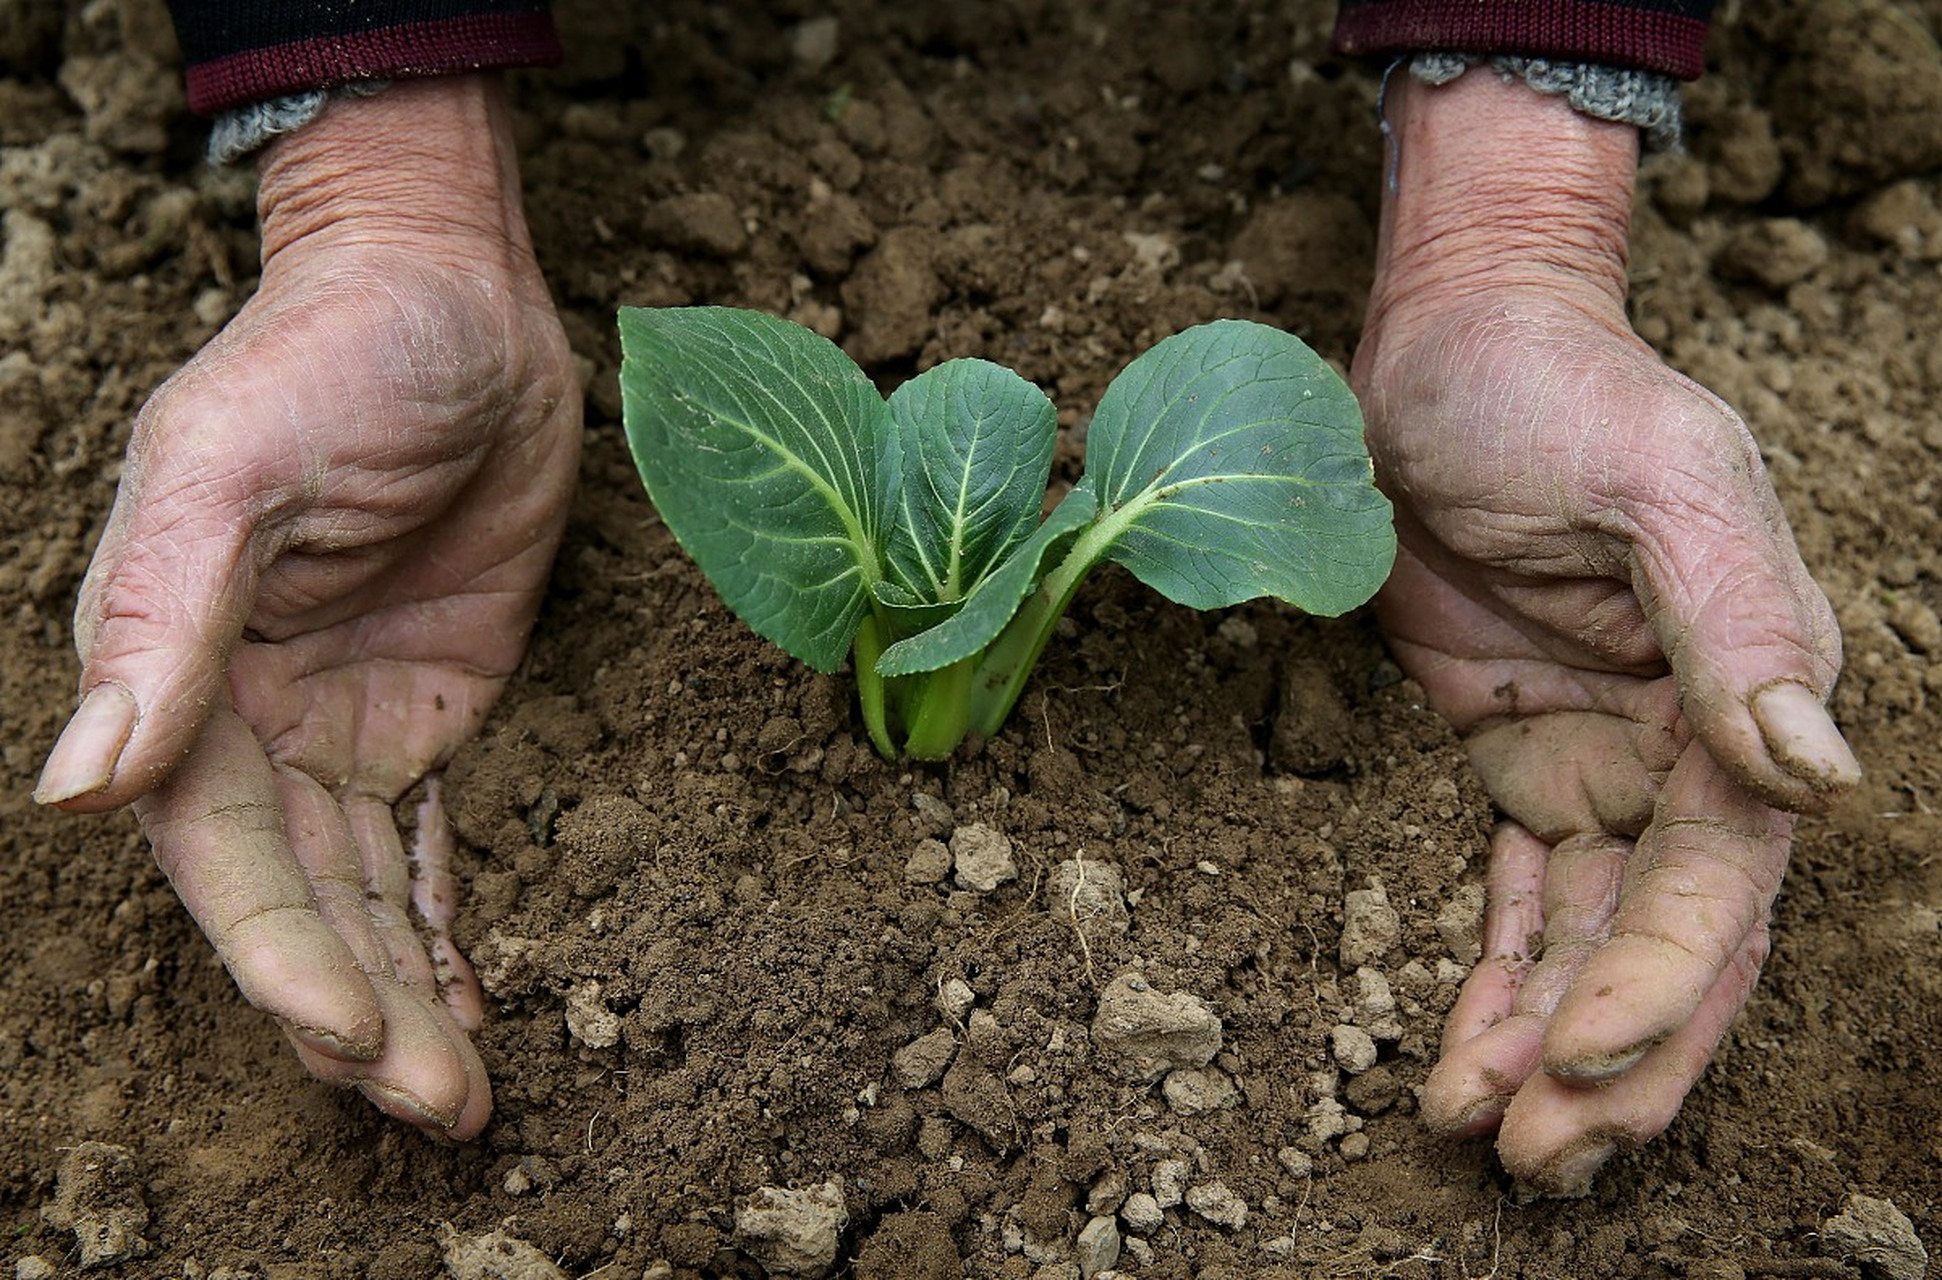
331 537
1597 587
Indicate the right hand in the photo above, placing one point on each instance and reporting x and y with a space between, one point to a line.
332 533
1596 585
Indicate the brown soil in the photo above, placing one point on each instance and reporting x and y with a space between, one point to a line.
677 842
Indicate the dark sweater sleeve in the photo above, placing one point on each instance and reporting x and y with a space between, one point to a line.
1666 36
244 51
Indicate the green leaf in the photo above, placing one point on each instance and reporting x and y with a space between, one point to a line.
994 602
904 612
977 451
1231 464
763 447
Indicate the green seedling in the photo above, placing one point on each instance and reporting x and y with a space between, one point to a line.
1224 464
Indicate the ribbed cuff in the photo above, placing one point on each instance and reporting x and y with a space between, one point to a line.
1647 99
242 132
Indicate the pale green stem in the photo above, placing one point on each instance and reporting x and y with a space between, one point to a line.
864 652
940 710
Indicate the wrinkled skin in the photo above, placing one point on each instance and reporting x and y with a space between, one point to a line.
328 547
1597 587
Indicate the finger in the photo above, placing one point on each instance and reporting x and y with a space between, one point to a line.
437 1072
458 985
1556 1135
1749 634
429 1075
219 836
1513 925
163 602
1582 886
1485 1057
321 838
387 888
1478 1075
1473 1082
1699 883
434 895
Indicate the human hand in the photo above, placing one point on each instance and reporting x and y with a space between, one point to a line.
330 540
1597 587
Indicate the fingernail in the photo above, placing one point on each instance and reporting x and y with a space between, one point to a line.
1473 1121
363 1043
401 1104
1599 1068
83 760
1568 1174
1802 737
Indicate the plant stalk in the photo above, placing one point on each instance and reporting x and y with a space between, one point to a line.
864 652
1007 664
940 710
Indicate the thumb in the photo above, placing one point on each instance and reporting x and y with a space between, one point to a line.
1750 636
162 605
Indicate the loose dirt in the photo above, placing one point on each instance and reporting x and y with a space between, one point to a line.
718 953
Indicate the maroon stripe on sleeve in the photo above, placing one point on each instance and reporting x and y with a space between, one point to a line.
1666 36
474 42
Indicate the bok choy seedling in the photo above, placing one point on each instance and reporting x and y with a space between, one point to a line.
1224 464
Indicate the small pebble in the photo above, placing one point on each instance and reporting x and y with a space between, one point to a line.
1374 1091
1327 1120
1170 1182
1192 1091
923 1061
1218 1205
1153 1033
1089 894
1354 1049
1296 1161
955 999
588 1019
792 1231
1370 927
1916 623
814 42
1142 1214
1460 925
1098 1246
928 863
1375 1004
934 817
982 857
1776 253
1108 1192
1876 1232
497 1256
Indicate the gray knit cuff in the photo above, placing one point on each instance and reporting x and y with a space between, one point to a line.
1647 99
241 132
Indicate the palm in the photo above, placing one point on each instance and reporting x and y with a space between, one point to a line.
1593 576
399 597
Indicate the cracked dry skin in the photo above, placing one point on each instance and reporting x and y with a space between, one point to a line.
668 813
